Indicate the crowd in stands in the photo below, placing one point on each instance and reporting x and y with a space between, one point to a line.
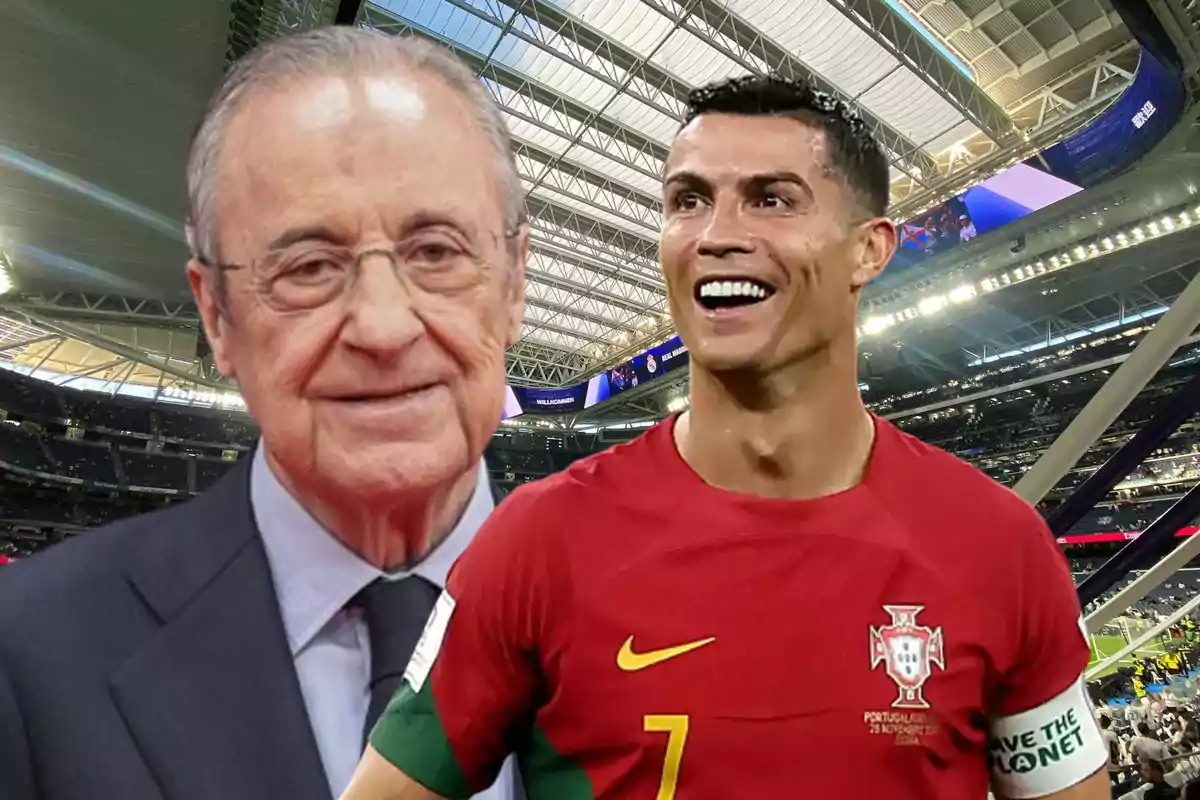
73 459
1154 745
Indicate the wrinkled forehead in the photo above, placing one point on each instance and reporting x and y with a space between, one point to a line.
356 152
727 147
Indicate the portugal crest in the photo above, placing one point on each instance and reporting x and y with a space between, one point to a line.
908 652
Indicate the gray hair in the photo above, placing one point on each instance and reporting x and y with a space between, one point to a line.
321 51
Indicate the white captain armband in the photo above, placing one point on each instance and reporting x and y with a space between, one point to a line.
1046 749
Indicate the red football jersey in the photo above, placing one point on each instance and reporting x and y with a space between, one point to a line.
632 632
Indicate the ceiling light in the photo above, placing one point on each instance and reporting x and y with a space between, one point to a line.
1139 234
1168 223
1153 228
1108 243
1080 252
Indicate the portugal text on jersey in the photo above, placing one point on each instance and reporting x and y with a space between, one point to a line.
631 632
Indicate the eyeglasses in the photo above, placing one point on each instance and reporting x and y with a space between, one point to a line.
309 276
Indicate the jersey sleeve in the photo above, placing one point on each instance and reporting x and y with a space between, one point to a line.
1044 737
470 689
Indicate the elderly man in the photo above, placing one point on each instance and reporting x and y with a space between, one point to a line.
358 256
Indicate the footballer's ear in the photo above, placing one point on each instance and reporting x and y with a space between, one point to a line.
875 242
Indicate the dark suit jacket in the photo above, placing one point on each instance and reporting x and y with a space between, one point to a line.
147 660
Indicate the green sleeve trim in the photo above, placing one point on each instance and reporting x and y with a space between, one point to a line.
410 735
548 776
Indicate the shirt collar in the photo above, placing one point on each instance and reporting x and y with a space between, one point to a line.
315 575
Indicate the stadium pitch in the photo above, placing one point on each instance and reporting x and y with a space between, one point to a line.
1105 646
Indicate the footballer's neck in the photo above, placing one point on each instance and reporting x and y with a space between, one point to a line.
797 433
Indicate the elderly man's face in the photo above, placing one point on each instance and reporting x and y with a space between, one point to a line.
397 383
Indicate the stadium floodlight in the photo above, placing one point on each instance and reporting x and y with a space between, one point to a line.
961 294
932 305
878 323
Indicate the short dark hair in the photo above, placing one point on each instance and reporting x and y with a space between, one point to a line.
854 152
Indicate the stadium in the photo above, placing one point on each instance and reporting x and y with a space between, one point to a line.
1040 320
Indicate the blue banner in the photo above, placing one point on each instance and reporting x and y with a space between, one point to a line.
551 401
1128 130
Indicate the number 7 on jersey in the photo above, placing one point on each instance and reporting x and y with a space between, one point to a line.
676 728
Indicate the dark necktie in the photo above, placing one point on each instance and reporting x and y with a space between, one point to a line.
395 613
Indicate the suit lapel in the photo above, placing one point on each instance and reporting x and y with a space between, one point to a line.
212 699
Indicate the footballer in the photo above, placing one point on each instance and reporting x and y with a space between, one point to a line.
775 594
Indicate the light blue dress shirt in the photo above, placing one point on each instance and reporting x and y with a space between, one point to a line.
315 576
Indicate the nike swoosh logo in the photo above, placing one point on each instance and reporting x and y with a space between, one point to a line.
629 661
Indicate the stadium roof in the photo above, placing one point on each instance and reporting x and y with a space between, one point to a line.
90 169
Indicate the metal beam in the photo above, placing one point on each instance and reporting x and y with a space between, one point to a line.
1160 427
756 52
597 290
568 39
109 309
93 370
113 346
1129 379
617 246
620 90
1026 384
879 21
588 187
12 344
603 135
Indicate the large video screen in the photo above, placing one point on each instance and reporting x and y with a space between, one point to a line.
651 364
1005 197
654 363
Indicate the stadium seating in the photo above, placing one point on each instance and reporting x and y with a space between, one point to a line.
82 458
